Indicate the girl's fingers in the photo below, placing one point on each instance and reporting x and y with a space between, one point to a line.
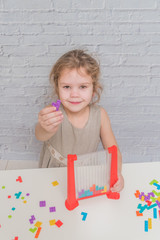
47 110
51 128
53 121
119 185
51 115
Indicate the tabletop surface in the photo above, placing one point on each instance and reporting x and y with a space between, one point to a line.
106 219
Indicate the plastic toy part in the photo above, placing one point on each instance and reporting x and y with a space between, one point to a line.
149 223
154 212
38 224
18 195
31 220
84 214
146 226
94 189
139 214
16 238
137 194
52 209
56 104
113 173
38 232
58 223
55 183
113 195
52 222
32 230
42 203
19 179
71 201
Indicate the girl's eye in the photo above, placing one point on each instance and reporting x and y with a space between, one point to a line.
83 87
66 87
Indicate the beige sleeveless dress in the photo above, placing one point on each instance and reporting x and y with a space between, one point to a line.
71 140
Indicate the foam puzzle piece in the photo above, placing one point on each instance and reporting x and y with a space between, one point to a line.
149 223
33 230
58 223
158 203
142 199
154 212
141 195
139 214
56 104
153 181
84 214
55 183
31 220
42 203
148 203
38 232
16 238
18 195
38 224
52 209
19 179
157 185
146 226
137 193
52 222
142 208
151 206
156 193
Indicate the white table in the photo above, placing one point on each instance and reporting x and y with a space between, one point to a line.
106 219
17 164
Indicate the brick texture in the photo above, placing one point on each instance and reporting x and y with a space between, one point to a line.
124 35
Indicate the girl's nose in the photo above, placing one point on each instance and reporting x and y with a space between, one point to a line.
74 92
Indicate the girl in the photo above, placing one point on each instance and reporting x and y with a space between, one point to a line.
80 124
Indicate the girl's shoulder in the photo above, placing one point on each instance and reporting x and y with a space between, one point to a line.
104 116
98 108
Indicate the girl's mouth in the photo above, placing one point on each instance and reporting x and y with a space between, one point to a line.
75 103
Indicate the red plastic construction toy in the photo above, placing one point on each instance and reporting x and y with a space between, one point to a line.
91 176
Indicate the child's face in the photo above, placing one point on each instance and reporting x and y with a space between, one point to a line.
75 89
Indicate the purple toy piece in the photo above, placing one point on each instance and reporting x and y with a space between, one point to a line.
57 104
142 194
158 203
32 219
42 203
52 209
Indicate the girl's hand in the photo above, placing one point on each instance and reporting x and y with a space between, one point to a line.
119 185
49 119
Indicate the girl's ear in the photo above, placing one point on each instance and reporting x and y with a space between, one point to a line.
93 94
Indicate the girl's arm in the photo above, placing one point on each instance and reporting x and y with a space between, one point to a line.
108 140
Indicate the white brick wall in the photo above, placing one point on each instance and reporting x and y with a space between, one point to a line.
126 37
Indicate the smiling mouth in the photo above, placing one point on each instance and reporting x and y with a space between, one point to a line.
75 103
